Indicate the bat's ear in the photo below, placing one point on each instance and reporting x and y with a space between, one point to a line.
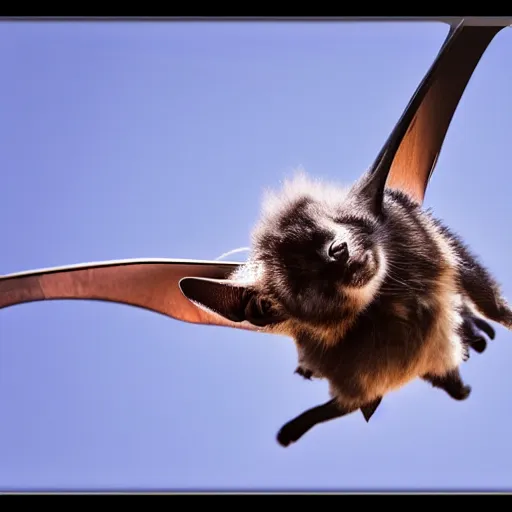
231 300
369 190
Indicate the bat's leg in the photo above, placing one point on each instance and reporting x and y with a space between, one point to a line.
473 329
370 408
302 367
296 428
451 383
485 294
304 372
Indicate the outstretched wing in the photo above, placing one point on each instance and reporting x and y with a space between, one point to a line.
149 284
154 284
422 128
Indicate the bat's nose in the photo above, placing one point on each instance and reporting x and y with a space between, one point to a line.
338 251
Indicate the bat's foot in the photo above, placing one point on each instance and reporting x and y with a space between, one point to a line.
474 329
288 435
462 394
304 372
296 428
451 383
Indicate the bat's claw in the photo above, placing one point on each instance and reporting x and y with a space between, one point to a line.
304 372
287 435
474 329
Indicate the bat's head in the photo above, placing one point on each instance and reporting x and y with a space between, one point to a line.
317 251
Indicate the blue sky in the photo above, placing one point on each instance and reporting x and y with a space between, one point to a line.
132 140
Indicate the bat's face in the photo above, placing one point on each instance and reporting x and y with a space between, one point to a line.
318 254
313 257
314 254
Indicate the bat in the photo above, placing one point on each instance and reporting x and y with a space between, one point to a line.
411 151
375 291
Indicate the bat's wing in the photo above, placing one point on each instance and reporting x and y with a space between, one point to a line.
418 136
150 284
414 144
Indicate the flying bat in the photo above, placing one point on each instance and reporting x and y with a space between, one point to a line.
374 291
168 287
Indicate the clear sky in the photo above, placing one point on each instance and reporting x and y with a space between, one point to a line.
132 140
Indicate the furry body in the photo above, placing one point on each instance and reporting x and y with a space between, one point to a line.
374 291
409 316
